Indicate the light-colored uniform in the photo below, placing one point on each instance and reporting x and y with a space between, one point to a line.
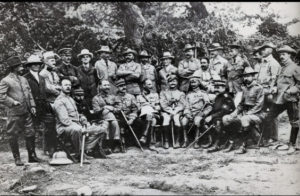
163 76
149 72
184 67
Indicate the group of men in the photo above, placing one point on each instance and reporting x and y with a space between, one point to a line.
207 102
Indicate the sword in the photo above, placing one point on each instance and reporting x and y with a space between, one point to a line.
82 149
209 128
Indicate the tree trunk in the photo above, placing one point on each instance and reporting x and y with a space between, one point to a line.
199 9
133 22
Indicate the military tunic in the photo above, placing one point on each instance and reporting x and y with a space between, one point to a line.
218 64
133 79
149 72
69 70
172 100
184 67
144 101
163 75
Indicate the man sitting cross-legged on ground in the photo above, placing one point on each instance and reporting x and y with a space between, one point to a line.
249 113
148 105
71 123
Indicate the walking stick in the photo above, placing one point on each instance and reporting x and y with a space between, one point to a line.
130 128
209 128
172 132
82 149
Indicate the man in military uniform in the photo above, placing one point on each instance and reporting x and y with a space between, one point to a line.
235 68
268 71
66 69
130 72
149 107
249 112
106 69
217 62
222 105
82 105
72 125
168 69
105 106
52 89
172 103
15 94
128 106
286 94
148 70
87 75
197 108
187 67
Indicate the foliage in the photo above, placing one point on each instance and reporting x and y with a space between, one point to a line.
270 27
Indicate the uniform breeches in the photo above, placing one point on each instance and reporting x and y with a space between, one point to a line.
292 110
74 133
113 126
196 119
18 124
244 120
154 118
94 134
167 119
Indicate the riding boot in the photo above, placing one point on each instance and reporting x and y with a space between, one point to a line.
99 152
196 145
116 146
229 147
30 145
166 136
293 136
177 137
153 135
215 147
209 143
245 135
14 145
185 138
145 133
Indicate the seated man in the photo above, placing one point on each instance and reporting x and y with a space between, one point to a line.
197 108
129 108
105 107
70 123
223 104
172 102
249 112
148 105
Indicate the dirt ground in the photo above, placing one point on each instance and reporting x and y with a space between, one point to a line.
170 171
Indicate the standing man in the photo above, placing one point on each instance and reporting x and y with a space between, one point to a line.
130 72
286 94
172 103
268 70
105 106
106 69
217 62
66 69
249 112
197 107
187 67
235 69
52 89
16 95
148 70
87 76
167 70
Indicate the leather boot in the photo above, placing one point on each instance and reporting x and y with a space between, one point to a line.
166 136
229 147
99 152
145 133
215 147
294 134
196 145
242 149
185 138
116 146
209 143
177 137
30 145
245 134
14 146
153 135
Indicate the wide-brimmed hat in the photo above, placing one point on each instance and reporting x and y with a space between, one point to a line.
249 71
188 47
194 76
104 49
64 51
78 91
235 45
215 46
128 50
267 45
60 158
171 77
50 55
85 52
255 49
219 83
120 82
33 59
286 48
167 55
14 61
144 53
